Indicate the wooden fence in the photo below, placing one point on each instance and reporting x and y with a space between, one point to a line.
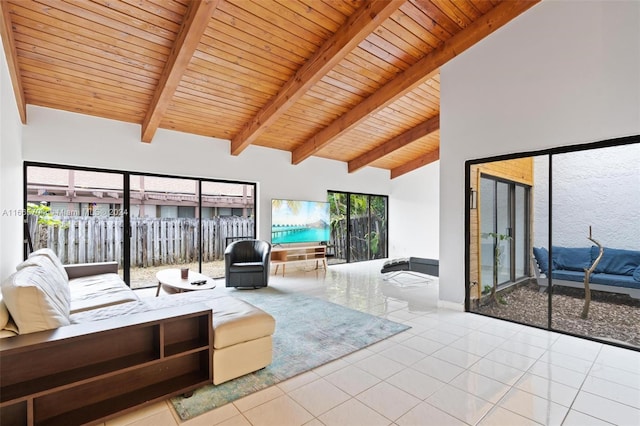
154 241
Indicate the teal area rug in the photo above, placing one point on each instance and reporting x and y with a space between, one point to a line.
309 332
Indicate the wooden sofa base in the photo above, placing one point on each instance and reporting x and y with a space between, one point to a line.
86 373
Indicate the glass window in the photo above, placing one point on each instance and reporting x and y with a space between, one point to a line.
168 222
560 239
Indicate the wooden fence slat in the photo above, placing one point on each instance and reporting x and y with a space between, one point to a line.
82 241
71 242
171 232
148 252
118 239
153 241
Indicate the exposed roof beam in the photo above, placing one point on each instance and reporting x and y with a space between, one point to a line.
195 23
413 76
359 25
423 160
411 135
11 54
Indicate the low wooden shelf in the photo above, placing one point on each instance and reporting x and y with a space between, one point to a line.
87 373
295 254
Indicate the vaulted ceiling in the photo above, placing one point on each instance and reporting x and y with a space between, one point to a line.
351 80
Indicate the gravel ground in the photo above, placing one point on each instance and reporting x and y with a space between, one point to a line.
611 317
146 277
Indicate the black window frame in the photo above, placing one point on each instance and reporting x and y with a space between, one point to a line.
126 204
550 152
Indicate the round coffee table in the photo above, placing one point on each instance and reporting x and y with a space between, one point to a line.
170 278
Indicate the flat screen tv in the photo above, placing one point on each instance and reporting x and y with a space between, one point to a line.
297 221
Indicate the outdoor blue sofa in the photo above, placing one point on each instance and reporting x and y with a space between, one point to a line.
618 271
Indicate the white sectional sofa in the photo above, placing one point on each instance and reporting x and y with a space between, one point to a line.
43 294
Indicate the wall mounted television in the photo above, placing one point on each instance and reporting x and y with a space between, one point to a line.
299 221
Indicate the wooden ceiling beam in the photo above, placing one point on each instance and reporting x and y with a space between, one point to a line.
357 27
193 27
423 160
411 135
413 76
11 54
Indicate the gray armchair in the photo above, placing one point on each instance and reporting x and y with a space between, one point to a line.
246 263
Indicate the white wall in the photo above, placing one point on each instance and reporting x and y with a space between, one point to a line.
10 174
414 213
60 137
598 188
562 73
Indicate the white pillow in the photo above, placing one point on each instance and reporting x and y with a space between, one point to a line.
47 252
36 298
45 262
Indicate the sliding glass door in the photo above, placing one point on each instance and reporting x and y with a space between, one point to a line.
358 226
596 228
227 215
144 222
554 240
164 226
500 223
77 213
504 210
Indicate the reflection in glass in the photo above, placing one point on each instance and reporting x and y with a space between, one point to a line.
520 237
487 215
502 242
500 229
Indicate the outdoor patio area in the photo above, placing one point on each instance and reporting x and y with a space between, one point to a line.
612 317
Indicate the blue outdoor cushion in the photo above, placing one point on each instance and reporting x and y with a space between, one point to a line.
615 280
636 274
616 261
571 258
542 257
568 275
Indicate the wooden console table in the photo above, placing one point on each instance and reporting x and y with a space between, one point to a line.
89 372
284 255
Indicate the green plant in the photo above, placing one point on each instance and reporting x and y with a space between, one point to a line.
43 212
498 251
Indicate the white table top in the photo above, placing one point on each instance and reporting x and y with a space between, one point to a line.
171 278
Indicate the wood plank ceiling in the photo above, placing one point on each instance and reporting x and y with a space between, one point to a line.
351 80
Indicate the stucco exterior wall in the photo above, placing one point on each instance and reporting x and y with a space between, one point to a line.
598 188
563 73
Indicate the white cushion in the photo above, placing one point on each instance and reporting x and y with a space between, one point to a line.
4 313
49 267
48 253
236 321
98 291
7 333
36 299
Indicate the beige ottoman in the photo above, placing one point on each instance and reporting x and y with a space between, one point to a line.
242 338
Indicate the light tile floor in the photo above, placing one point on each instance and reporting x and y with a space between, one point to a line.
450 368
